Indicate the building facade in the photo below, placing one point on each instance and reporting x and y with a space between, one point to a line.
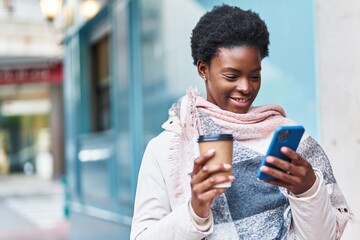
31 120
128 63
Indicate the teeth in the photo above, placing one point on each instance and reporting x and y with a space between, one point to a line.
241 100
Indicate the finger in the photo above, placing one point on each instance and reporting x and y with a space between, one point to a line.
208 170
210 183
285 166
205 177
297 161
209 195
279 175
296 158
200 161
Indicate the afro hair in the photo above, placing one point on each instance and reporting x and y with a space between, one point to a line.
227 27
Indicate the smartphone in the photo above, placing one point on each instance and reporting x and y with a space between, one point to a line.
288 136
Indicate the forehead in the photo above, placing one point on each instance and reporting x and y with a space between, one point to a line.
244 56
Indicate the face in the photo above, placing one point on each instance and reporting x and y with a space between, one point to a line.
233 78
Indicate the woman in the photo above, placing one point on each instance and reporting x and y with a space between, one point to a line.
175 196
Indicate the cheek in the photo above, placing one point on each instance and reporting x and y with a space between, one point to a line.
213 87
256 87
220 91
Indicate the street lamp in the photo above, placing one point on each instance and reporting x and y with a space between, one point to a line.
50 8
89 8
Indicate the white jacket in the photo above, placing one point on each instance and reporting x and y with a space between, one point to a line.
158 215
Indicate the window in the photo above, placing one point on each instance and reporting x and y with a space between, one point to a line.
99 85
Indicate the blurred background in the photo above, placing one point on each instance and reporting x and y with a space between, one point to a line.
85 84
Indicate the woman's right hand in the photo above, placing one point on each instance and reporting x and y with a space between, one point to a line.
202 184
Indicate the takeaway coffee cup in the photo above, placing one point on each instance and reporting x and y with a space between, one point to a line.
223 145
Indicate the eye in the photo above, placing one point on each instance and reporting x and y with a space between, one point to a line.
230 77
255 77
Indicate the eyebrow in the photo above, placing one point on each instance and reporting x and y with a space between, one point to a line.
235 70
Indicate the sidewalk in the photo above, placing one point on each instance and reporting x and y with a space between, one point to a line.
31 208
19 185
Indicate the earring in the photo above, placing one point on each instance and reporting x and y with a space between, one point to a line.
204 77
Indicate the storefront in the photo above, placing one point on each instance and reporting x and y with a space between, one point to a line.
31 122
30 118
122 70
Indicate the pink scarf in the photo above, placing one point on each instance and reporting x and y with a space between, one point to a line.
258 123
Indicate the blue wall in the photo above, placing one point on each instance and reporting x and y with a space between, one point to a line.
289 73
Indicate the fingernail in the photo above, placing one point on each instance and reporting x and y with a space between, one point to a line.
269 160
210 152
227 166
283 149
231 178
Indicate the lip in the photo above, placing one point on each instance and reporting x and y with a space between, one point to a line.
240 104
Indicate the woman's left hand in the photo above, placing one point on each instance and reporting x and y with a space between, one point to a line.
298 175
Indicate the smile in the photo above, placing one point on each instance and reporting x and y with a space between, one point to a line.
241 100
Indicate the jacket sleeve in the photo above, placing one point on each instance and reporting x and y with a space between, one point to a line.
324 213
313 216
153 217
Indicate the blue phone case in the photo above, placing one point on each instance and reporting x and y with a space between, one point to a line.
288 136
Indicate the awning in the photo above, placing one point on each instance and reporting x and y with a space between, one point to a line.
48 73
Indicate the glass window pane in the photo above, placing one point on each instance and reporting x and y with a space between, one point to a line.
167 65
100 91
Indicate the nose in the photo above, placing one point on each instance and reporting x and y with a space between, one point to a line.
243 85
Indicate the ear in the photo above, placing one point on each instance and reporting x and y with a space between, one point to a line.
202 69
